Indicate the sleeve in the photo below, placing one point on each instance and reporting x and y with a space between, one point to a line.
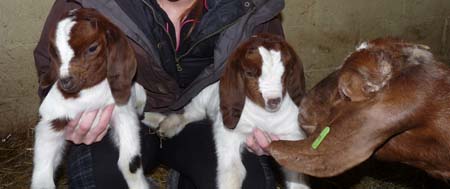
272 26
41 56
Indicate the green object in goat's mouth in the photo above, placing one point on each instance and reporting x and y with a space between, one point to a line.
320 138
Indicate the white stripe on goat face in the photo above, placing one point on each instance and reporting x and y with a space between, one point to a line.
270 84
62 45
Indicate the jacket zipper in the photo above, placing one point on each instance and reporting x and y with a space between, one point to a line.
161 25
178 58
204 38
212 34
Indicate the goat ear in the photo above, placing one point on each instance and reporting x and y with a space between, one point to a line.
121 65
358 87
353 86
232 94
295 79
48 78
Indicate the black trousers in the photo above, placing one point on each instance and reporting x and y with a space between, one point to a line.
191 153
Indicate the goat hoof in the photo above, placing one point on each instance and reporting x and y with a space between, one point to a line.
153 119
170 126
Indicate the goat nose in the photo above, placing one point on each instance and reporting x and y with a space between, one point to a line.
274 102
66 82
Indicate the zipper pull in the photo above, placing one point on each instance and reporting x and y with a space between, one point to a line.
179 68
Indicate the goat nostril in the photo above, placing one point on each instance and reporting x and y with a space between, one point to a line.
274 101
67 82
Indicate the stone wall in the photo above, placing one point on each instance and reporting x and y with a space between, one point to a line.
20 27
322 32
325 32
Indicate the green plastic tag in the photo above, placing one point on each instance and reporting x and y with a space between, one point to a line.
320 138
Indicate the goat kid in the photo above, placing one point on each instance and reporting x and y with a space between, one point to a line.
390 98
261 87
92 65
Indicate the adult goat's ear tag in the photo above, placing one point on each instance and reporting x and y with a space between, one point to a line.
320 138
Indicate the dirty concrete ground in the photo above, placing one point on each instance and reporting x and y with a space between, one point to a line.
16 167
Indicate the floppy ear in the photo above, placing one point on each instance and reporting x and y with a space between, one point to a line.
295 78
232 94
352 139
352 85
121 64
357 87
48 78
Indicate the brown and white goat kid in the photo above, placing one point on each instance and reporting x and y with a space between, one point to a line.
261 87
92 65
390 98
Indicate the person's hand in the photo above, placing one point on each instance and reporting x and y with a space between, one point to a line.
259 142
88 127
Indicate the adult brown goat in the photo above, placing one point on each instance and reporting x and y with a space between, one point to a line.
390 98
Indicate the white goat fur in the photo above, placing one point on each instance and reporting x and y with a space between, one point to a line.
49 143
283 123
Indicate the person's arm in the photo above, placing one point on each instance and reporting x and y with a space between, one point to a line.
259 142
77 130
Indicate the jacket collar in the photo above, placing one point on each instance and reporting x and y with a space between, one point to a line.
221 13
113 11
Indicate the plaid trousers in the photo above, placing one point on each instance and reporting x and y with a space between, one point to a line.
85 170
80 170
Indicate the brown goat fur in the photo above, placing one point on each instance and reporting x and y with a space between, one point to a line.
390 98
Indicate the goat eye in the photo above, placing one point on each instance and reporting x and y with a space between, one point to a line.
250 73
92 48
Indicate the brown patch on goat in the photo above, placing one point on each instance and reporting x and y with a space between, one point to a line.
101 51
59 124
404 118
241 73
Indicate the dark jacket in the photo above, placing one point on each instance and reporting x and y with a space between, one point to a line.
230 21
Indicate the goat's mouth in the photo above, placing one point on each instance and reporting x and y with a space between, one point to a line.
272 109
68 87
273 104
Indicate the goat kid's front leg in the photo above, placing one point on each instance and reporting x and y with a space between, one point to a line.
48 151
126 137
295 180
174 123
165 126
207 101
230 169
153 119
